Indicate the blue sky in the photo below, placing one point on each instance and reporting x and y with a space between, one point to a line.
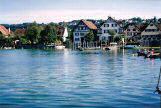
18 11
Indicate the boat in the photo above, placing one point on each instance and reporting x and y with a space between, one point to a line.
129 47
113 46
143 52
153 56
7 48
59 47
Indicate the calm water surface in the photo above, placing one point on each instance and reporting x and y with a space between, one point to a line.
40 79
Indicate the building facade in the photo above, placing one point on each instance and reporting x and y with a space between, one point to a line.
81 30
151 36
109 25
132 32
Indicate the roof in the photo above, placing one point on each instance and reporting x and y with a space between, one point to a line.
110 18
159 26
4 31
20 31
142 27
89 24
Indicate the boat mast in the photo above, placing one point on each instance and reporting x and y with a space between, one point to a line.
159 78
157 87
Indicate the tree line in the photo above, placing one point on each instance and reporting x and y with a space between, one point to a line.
35 35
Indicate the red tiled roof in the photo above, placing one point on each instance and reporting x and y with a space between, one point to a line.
4 31
89 24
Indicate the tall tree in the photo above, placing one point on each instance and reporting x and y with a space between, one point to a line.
33 33
48 35
112 33
90 36
2 38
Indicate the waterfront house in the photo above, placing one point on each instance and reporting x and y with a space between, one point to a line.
81 30
132 32
5 32
151 35
109 25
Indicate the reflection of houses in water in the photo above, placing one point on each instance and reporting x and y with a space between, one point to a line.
151 36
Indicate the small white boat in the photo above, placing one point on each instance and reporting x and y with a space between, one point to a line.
60 47
113 46
7 48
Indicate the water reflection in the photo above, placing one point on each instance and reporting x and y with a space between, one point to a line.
39 78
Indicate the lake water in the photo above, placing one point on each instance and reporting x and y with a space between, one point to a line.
41 78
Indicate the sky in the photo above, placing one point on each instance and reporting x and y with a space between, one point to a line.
45 11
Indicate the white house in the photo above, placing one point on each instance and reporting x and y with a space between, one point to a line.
109 25
81 30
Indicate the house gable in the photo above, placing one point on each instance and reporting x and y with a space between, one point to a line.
151 29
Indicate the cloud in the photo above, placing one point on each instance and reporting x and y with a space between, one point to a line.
68 15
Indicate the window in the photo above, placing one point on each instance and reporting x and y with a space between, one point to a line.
76 34
115 25
81 34
116 30
112 25
76 39
106 25
81 28
105 31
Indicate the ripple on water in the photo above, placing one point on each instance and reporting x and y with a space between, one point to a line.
39 78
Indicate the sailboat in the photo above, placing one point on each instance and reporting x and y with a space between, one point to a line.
157 87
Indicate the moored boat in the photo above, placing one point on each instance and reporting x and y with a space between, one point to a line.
59 47
113 46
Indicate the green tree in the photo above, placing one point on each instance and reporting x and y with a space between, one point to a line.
2 38
90 36
33 33
70 35
112 33
48 35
